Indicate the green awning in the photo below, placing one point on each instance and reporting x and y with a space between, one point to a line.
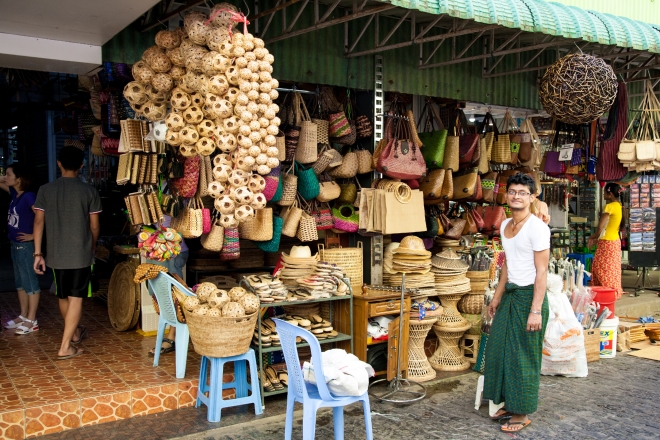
547 18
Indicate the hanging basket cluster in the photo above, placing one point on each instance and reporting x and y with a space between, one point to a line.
578 88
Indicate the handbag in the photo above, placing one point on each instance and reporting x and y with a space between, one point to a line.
329 190
364 161
453 227
213 240
289 187
338 124
272 183
493 217
259 227
401 158
280 144
175 165
464 184
205 176
509 126
307 228
348 193
190 223
231 249
322 216
489 187
478 219
306 152
308 184
345 218
291 139
477 195
348 167
272 245
530 146
447 186
502 179
432 226
468 143
431 185
434 140
291 218
324 157
186 186
363 127
206 220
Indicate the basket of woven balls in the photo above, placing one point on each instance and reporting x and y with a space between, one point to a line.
221 323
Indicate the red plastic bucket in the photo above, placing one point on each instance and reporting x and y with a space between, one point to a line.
606 297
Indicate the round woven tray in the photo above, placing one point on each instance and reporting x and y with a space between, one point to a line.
123 297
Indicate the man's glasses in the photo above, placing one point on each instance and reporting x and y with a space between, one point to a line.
513 193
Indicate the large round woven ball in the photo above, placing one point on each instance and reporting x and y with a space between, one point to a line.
142 72
578 88
154 111
162 82
250 303
168 39
236 292
233 310
176 56
135 93
222 15
196 27
159 62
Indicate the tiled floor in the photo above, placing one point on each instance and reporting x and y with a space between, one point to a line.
113 380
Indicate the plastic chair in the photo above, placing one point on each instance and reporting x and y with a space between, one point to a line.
311 396
215 367
161 286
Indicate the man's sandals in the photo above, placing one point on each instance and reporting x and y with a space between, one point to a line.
164 350
508 426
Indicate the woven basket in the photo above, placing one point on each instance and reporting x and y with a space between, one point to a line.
213 240
323 160
482 275
289 189
220 336
280 143
307 228
304 310
322 136
471 303
292 221
475 320
306 152
478 286
365 161
258 227
349 259
348 167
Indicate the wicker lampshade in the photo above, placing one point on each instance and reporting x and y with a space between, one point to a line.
578 88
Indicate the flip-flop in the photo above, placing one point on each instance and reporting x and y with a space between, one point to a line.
504 415
507 426
164 350
83 335
78 352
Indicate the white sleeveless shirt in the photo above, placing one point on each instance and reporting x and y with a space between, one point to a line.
519 250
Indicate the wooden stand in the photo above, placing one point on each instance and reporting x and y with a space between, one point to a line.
419 367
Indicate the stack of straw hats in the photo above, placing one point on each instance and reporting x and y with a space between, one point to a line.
298 263
449 271
409 257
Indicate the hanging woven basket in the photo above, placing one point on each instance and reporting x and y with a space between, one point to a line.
578 88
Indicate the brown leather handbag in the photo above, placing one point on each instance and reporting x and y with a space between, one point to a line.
453 227
493 218
447 187
477 196
501 185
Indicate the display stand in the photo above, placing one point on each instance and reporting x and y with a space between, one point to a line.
398 385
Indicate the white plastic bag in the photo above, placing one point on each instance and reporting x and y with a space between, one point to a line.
344 373
563 344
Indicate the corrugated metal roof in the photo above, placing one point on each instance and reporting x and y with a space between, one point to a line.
549 18
647 11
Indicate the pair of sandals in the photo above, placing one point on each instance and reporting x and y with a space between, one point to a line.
78 351
164 350
272 381
24 326
508 425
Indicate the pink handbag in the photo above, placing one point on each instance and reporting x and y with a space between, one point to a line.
186 186
401 159
206 221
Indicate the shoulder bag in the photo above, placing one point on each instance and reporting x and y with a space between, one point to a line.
401 158
433 136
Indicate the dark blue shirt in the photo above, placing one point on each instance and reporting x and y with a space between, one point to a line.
20 217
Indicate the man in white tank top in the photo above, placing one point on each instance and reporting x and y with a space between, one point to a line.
520 310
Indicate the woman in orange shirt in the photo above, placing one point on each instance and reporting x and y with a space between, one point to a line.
606 268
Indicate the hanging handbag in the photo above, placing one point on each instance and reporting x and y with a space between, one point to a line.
322 216
464 184
468 143
431 185
308 183
530 148
348 167
272 245
205 176
291 220
324 158
478 219
433 136
447 191
289 187
306 152
321 121
212 241
401 158
259 227
489 187
509 126
328 189
431 226
231 249
345 218
186 186
307 226
453 227
477 195
272 183
348 193
291 139
175 164
363 127
502 179
493 217
364 160
190 222
206 219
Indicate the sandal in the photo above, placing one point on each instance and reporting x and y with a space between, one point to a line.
265 382
499 416
164 350
83 335
77 352
507 426
23 329
283 376
272 376
13 323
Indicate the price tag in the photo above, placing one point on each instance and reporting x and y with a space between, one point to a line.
566 152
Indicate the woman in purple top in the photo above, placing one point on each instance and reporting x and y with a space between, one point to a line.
20 219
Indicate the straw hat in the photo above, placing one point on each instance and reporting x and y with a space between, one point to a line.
412 245
448 259
300 252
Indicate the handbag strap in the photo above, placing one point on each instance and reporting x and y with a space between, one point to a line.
488 125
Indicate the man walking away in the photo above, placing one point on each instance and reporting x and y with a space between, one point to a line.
70 209
520 310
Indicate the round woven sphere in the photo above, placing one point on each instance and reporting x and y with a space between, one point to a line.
174 121
154 94
162 82
194 22
177 72
215 37
205 146
180 100
578 88
142 72
189 135
187 150
176 57
168 39
221 14
154 111
233 310
159 62
250 303
135 93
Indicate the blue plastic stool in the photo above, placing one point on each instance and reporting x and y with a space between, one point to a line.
215 402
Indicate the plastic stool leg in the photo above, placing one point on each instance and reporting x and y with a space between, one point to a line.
338 416
254 383
240 378
215 392
201 385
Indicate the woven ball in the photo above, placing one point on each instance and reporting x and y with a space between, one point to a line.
243 212
194 58
222 159
193 115
142 72
154 111
205 146
149 53
162 82
222 16
189 135
226 143
233 310
176 57
220 299
578 88
173 138
228 221
225 205
231 124
243 196
204 290
214 312
215 189
168 39
256 183
215 37
195 24
180 100
177 72
206 128
156 95
174 122
159 62
188 150
250 303
258 201
218 85
190 303
135 93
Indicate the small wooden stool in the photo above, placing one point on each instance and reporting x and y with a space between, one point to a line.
214 367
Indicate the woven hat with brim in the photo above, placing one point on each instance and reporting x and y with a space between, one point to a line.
300 252
412 245
448 259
